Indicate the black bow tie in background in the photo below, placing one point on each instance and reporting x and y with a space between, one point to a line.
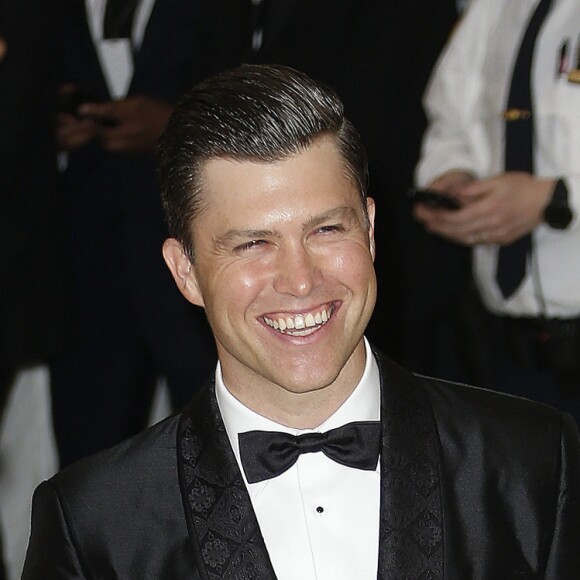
267 454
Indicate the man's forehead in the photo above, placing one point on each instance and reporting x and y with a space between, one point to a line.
317 182
257 196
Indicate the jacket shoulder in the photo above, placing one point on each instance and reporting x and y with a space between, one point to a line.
503 437
475 407
148 454
474 423
111 507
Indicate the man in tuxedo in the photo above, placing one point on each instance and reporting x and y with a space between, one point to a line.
310 454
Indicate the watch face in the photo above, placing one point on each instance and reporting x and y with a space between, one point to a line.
558 217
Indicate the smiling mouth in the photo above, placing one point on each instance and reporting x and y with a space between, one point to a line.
300 324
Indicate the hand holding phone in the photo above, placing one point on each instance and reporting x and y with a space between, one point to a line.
70 100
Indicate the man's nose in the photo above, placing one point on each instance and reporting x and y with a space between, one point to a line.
297 271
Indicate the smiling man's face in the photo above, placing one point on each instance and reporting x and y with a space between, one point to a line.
284 269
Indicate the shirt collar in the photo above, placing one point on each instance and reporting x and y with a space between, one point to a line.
362 405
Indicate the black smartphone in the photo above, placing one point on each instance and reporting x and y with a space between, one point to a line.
433 198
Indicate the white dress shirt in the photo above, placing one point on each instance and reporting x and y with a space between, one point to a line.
465 101
116 55
319 519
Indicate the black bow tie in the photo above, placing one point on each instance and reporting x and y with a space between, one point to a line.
266 454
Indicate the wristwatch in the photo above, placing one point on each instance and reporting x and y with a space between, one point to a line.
557 213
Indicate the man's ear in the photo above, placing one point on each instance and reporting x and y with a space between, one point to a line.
183 271
371 214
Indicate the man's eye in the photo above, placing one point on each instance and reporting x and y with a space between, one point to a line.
251 245
330 229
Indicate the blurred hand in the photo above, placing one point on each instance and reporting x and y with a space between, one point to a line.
497 210
131 125
451 181
73 131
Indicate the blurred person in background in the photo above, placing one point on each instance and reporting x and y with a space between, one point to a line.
503 141
125 65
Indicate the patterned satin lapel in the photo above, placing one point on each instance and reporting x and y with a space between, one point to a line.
411 534
222 525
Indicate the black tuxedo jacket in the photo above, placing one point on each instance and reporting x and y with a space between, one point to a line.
475 485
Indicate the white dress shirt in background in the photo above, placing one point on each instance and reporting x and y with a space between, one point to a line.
116 55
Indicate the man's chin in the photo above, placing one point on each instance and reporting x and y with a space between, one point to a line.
316 369
298 382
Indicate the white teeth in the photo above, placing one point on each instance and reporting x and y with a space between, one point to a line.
300 322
